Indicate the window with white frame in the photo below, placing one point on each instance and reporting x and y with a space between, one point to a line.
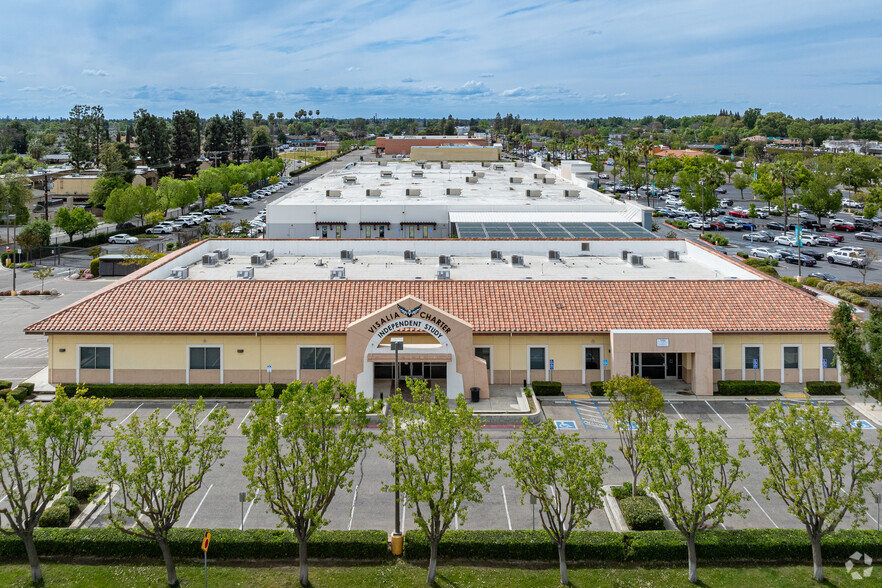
205 358
717 357
752 358
537 358
828 356
790 357
592 358
95 358
315 358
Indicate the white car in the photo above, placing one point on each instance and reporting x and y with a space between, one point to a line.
785 240
159 230
764 253
123 239
852 258
698 224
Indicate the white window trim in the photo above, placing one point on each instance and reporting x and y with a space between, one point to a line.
187 359
80 346
798 359
545 347
299 347
602 355
821 362
722 360
490 347
762 359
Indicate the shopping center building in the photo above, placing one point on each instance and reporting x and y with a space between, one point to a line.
472 313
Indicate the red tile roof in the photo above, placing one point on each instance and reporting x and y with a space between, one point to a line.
552 306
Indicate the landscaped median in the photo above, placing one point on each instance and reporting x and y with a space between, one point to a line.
173 390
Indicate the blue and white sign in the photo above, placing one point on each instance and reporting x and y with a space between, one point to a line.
861 425
605 362
756 364
551 364
630 425
565 425
269 369
825 362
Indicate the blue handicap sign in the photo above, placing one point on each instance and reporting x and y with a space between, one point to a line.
565 425
630 425
861 425
551 364
756 364
605 362
825 362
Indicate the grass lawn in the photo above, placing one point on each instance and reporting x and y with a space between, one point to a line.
403 574
309 156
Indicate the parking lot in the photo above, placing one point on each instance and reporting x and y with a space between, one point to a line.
366 506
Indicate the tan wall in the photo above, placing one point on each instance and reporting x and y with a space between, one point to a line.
80 186
772 357
403 146
456 153
695 347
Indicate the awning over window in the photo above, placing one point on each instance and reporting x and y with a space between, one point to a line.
331 223
421 224
376 224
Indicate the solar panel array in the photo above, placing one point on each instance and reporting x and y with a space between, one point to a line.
552 231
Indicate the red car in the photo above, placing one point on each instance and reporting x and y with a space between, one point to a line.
839 238
848 227
717 226
738 213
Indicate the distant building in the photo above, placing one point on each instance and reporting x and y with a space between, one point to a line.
456 153
676 153
402 145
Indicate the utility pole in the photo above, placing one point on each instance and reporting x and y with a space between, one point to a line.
46 193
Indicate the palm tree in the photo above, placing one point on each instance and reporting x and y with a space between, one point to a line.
614 152
710 176
598 143
783 171
644 149
630 157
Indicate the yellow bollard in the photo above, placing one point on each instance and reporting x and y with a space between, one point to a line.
396 540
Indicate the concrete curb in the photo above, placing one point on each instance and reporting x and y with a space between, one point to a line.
613 512
90 509
669 523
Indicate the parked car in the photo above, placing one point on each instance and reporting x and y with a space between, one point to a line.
738 213
699 225
775 226
851 258
717 226
726 202
785 240
159 230
838 238
843 226
796 258
824 276
123 239
813 253
603 176
720 190
733 224
757 236
827 241
765 252
868 236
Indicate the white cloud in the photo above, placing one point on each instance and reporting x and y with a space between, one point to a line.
95 72
472 88
31 89
486 75
519 91
353 68
621 94
2 79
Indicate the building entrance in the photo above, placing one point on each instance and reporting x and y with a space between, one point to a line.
416 370
657 366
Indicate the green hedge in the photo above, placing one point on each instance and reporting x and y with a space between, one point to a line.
5 384
747 388
597 389
748 546
20 392
547 389
172 390
57 515
791 281
872 290
94 267
823 388
642 513
185 543
624 491
677 224
84 487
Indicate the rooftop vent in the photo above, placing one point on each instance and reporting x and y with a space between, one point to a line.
222 254
246 273
270 253
498 167
444 260
209 259
349 179
586 247
413 192
534 193
445 165
636 260
346 255
625 255
454 191
673 255
417 173
538 176
515 180
442 274
338 273
547 180
485 164
477 174
375 193
181 273
258 259
385 173
333 193
495 255
471 179
517 261
571 193
553 255
409 255
519 164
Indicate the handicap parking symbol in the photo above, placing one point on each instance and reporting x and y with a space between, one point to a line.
565 425
861 425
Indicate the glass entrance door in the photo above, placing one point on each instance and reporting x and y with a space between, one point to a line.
657 366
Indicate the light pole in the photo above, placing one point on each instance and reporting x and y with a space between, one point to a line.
397 345
14 226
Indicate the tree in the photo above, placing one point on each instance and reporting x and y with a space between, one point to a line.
41 448
768 189
444 458
186 142
303 449
217 139
153 140
784 172
154 217
683 456
821 469
174 193
750 117
857 171
214 199
629 157
261 144
817 197
77 135
15 198
741 181
36 149
120 206
117 160
238 134
563 474
158 467
238 190
699 178
73 221
103 187
859 348
871 256
43 273
728 168
634 402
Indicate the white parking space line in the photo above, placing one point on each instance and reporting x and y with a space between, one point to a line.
165 418
718 414
842 490
760 507
204 496
352 510
671 404
4 498
247 512
505 502
248 414
208 415
29 353
128 416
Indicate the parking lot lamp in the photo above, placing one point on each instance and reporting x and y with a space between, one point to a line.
397 344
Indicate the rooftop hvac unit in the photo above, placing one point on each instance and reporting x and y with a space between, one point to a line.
346 255
442 274
444 260
454 191
270 253
338 273
517 260
374 193
547 180
445 165
538 176
222 254
209 259
586 246
258 259
673 255
478 174
349 179
181 273
534 193
471 179
333 193
571 193
625 255
515 180
409 255
385 173
381 162
413 192
485 164
499 167
553 255
519 164
246 273
417 173
495 255
636 260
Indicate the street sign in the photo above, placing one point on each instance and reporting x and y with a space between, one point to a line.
551 364
756 364
754 175
825 362
605 362
565 425
205 541
269 369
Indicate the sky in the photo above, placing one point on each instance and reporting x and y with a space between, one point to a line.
537 58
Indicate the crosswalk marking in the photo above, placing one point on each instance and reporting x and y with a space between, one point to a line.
590 414
29 353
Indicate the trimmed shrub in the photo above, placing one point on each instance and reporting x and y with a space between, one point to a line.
742 255
5 384
72 504
624 491
57 515
548 389
173 390
767 269
678 224
872 290
94 265
791 281
597 389
747 388
823 388
84 487
642 513
95 251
